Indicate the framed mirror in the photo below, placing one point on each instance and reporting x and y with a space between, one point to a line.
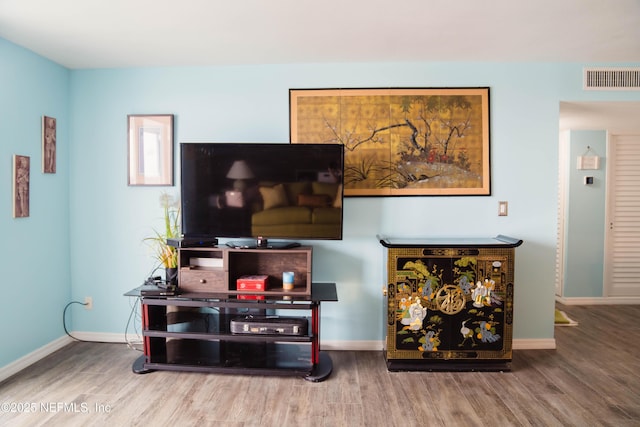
150 144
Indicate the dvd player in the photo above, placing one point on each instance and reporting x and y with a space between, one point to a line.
192 242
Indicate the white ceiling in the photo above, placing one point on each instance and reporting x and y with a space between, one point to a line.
81 34
138 33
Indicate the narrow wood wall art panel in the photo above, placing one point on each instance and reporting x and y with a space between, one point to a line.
49 127
21 187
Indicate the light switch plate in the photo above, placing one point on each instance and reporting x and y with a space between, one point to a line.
503 208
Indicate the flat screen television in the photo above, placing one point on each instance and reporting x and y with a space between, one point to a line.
256 192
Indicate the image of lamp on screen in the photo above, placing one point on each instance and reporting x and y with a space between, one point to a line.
241 173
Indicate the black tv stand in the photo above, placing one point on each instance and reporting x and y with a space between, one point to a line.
192 332
261 243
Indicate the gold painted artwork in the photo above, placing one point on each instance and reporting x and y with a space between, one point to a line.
400 141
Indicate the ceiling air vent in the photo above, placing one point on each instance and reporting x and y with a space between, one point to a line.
612 78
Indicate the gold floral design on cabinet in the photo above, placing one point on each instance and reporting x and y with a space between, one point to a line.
449 304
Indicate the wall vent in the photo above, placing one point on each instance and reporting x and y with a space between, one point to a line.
611 79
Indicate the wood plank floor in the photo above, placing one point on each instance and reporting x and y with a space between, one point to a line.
592 379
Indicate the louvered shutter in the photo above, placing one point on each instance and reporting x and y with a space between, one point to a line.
622 264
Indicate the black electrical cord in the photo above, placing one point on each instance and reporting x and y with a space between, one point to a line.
64 319
64 325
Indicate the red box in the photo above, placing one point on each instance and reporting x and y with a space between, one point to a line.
252 283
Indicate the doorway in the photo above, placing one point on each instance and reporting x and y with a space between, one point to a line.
621 245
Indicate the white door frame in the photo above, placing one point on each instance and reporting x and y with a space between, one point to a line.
563 154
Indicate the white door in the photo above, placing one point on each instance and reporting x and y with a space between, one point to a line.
622 235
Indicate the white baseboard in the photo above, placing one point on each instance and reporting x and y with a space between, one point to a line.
106 337
351 345
518 344
31 358
534 344
598 300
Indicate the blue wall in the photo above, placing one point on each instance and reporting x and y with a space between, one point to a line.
250 103
35 284
585 218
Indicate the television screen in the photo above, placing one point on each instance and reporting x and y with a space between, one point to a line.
262 190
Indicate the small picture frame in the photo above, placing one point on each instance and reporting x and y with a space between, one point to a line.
21 178
150 149
48 144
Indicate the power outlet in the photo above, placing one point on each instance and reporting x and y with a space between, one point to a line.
88 303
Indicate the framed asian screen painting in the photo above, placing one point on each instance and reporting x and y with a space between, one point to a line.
401 142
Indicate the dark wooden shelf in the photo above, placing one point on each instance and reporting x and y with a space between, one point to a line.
217 269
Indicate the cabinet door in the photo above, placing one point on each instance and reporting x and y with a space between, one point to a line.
449 303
